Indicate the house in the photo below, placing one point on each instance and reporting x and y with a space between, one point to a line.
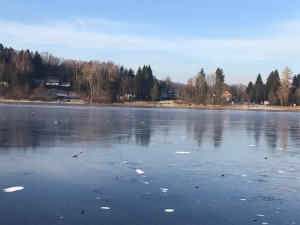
227 95
49 82
52 82
64 84
169 93
130 96
4 83
127 97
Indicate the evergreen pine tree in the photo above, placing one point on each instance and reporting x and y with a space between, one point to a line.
259 92
131 73
138 83
272 85
220 77
250 91
38 67
148 81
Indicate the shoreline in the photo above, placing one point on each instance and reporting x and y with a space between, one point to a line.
162 104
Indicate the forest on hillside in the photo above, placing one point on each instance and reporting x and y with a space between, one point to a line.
97 81
21 73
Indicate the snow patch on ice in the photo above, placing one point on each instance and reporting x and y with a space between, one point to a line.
169 210
139 171
12 189
164 190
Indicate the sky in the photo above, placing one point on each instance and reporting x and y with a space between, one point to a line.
177 38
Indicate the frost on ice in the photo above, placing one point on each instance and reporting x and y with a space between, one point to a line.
164 190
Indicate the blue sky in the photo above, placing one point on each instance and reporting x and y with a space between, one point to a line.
176 38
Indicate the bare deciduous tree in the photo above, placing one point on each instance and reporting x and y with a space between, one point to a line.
285 86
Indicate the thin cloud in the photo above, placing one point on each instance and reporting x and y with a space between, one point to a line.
82 35
87 34
65 34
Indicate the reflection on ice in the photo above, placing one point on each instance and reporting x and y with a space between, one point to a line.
35 147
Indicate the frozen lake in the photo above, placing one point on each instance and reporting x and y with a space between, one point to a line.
148 166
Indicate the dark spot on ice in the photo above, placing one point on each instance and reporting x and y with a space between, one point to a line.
267 199
261 180
99 191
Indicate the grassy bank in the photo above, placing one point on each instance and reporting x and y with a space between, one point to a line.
163 104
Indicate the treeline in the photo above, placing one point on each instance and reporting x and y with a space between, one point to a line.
206 90
97 81
277 91
211 89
